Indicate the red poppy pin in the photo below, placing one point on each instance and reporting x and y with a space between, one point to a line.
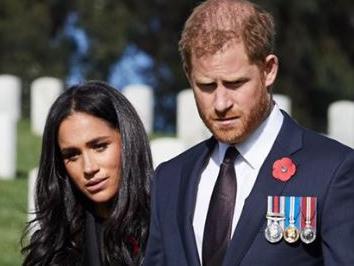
283 169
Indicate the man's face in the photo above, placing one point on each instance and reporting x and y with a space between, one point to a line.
231 93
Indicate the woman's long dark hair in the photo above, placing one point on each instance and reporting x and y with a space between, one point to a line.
60 214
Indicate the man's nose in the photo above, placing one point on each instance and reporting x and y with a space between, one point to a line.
222 101
90 166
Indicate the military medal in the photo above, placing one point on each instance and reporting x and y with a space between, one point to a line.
275 216
308 232
291 233
273 232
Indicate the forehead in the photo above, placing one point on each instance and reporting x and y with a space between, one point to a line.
230 59
81 127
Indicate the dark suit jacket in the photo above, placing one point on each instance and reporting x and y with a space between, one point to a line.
325 169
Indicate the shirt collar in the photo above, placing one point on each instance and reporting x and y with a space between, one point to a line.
256 147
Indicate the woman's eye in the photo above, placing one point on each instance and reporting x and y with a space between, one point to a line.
72 157
100 146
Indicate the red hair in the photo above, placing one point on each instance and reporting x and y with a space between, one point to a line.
214 23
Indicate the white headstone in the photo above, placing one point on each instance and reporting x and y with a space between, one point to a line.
8 133
163 149
283 101
341 122
190 127
142 98
44 92
10 95
31 189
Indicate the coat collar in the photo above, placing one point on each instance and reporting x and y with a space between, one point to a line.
252 217
187 196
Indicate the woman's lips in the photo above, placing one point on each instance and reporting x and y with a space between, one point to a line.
96 184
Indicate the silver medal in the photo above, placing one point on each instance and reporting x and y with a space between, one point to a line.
308 234
275 221
273 232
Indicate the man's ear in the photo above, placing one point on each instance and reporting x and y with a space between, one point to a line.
270 69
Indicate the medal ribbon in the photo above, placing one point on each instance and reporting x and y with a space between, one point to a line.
269 208
308 211
282 210
292 211
276 208
276 204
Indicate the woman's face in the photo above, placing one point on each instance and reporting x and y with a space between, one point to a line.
91 151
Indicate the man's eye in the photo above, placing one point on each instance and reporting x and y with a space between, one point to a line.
206 86
234 84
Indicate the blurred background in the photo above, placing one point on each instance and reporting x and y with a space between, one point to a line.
128 42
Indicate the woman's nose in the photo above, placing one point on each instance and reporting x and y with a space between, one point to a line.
90 166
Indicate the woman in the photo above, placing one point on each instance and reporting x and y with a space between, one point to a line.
92 204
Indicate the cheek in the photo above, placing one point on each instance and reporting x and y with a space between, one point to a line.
252 97
114 171
203 101
112 162
74 174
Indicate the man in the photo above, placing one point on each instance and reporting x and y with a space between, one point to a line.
288 196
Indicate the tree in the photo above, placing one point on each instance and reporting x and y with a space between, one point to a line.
27 48
314 44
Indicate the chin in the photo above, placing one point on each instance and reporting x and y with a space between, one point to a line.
228 139
230 136
100 198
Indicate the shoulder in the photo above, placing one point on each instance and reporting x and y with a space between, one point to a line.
316 143
320 159
323 164
169 173
324 146
189 155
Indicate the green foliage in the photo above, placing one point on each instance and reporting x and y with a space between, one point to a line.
314 44
13 198
27 48
28 148
106 23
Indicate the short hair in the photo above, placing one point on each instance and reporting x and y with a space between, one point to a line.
215 22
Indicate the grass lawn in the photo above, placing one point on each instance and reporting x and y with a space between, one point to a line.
13 196
13 202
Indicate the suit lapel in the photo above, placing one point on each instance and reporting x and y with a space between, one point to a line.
187 197
252 218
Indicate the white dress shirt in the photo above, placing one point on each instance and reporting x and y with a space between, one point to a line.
253 153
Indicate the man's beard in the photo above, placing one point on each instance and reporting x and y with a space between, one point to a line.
248 123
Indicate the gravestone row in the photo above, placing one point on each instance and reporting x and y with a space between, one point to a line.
189 127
